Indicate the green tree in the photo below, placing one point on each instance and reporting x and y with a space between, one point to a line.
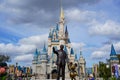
4 58
104 72
113 78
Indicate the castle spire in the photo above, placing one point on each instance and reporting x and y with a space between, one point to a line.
66 32
81 51
61 23
113 52
72 51
61 13
36 52
44 48
113 55
75 57
65 48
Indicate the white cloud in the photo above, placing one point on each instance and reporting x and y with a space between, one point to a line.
78 15
24 58
109 28
34 40
117 47
12 49
99 55
78 46
104 51
23 50
6 6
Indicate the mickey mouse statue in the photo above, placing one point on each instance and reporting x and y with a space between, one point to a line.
73 72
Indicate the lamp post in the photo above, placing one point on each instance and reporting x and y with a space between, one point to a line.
107 66
108 70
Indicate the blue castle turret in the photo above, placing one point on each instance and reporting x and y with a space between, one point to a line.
65 48
76 57
57 27
69 41
44 49
113 52
113 56
50 35
72 51
35 58
53 35
36 54
66 32
44 53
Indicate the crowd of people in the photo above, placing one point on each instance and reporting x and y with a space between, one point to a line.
5 75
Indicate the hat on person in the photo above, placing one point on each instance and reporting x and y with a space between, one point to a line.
91 75
3 64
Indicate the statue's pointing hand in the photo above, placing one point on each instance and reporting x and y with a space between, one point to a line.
53 49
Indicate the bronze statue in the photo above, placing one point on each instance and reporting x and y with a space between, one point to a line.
62 58
72 69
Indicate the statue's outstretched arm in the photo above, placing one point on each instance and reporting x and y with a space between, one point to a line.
55 51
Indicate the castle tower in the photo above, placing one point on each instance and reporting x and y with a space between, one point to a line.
113 57
39 64
72 56
61 23
61 26
58 36
34 61
44 62
76 60
39 57
66 33
82 65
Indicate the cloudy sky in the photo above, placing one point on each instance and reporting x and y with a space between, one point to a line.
92 24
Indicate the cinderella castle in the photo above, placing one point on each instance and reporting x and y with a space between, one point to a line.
43 63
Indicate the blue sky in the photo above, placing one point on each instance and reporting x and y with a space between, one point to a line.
92 24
